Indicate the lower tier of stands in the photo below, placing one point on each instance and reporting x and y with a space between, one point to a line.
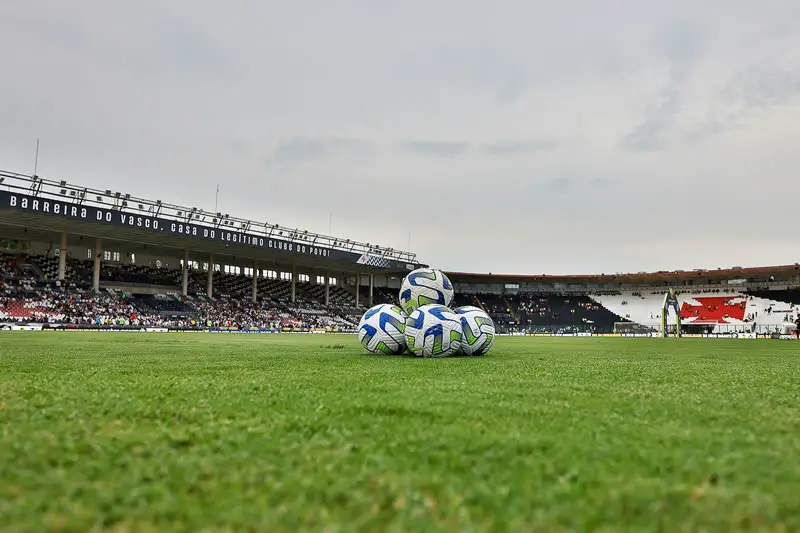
28 293
30 303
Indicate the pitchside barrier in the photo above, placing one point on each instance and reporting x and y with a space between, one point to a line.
761 333
144 329
657 335
627 329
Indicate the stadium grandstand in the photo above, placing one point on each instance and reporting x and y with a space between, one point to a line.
76 257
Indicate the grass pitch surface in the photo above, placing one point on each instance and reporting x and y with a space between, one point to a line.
170 432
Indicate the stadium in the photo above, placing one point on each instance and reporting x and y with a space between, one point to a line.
293 427
159 265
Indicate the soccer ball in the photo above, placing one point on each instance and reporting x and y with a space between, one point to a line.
433 331
478 329
425 286
382 330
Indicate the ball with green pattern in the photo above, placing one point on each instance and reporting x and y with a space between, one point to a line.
433 331
478 330
425 286
382 330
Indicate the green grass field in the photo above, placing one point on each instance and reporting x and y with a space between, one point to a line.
194 432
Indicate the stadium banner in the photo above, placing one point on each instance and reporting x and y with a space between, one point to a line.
15 327
729 335
107 329
535 334
256 331
278 331
14 201
139 329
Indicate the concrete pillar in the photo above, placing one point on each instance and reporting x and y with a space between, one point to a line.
327 289
255 281
294 283
98 255
371 285
210 286
62 258
358 290
185 274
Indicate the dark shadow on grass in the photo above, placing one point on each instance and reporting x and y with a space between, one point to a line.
395 411
409 355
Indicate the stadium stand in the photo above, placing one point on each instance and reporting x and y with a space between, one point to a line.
29 303
542 312
564 313
28 294
382 295
151 297
7 267
103 283
716 309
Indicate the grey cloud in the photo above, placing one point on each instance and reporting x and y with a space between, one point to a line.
64 33
681 41
680 44
653 134
167 45
60 33
518 147
764 86
572 183
183 46
447 149
512 74
559 184
450 149
754 89
475 64
302 149
772 81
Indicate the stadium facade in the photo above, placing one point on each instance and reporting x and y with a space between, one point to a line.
171 261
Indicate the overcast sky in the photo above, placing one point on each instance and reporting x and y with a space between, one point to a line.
519 136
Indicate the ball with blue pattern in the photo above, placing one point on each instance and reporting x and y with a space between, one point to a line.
425 286
478 330
382 330
433 331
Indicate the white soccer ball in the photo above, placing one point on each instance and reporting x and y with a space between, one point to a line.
433 331
382 330
425 286
478 329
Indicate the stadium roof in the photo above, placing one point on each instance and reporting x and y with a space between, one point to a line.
33 203
638 278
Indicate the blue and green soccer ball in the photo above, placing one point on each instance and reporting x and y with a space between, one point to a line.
382 330
433 331
478 330
425 286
